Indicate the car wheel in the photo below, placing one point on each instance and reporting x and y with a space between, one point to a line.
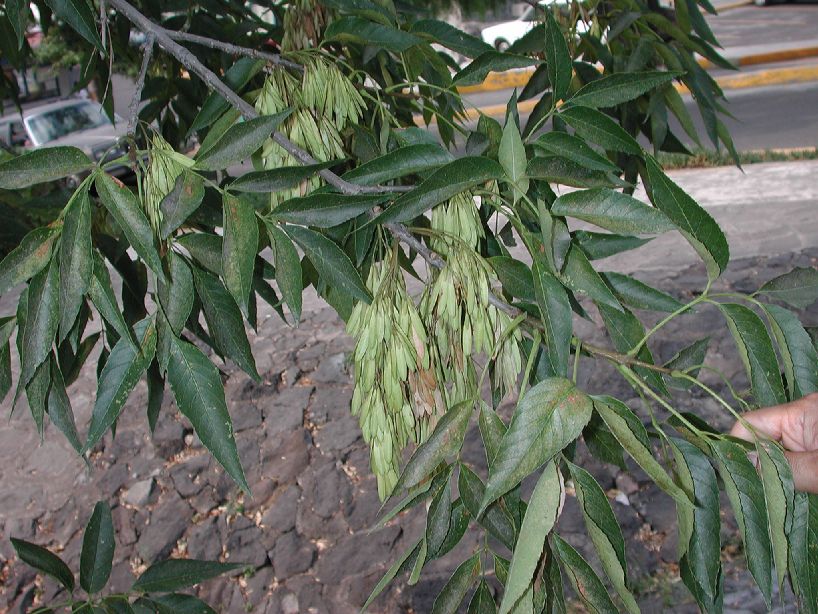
501 44
762 2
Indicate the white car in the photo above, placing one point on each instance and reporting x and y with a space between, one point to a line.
503 35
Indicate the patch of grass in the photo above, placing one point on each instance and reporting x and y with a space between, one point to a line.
704 158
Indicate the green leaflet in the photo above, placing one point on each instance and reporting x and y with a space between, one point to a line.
631 434
27 259
581 576
76 263
43 560
563 171
446 182
496 519
513 159
700 548
597 245
757 353
695 224
407 160
579 275
176 296
78 15
612 211
42 319
275 179
445 440
555 312
604 532
97 553
779 493
403 563
746 494
330 262
490 61
799 287
576 150
205 248
182 201
458 523
328 209
176 574
199 393
42 165
288 269
637 295
557 57
691 356
126 210
595 126
239 249
540 517
59 408
549 417
438 518
224 321
102 296
612 90
798 354
240 141
482 601
450 37
362 31
123 370
515 276
452 594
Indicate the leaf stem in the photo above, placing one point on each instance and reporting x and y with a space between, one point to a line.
635 349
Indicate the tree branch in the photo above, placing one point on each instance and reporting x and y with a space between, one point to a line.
133 108
212 43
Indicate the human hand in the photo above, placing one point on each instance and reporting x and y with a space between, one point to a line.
795 426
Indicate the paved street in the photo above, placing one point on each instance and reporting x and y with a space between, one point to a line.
783 23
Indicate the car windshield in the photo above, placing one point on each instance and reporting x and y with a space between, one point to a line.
56 124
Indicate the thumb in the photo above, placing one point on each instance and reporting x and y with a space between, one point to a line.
804 470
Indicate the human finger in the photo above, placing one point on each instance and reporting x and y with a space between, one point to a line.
768 422
804 470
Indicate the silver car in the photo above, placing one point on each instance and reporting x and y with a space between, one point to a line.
77 122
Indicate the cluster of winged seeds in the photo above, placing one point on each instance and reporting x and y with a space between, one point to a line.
164 167
323 101
413 362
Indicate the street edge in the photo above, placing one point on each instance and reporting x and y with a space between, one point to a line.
519 77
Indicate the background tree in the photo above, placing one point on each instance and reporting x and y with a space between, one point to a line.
347 195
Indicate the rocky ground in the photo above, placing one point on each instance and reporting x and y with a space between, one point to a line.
305 531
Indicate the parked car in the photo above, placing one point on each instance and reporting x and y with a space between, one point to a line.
502 35
77 122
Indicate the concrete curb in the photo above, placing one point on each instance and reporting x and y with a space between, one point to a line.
519 77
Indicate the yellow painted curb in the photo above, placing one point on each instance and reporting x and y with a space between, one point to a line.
519 77
774 76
